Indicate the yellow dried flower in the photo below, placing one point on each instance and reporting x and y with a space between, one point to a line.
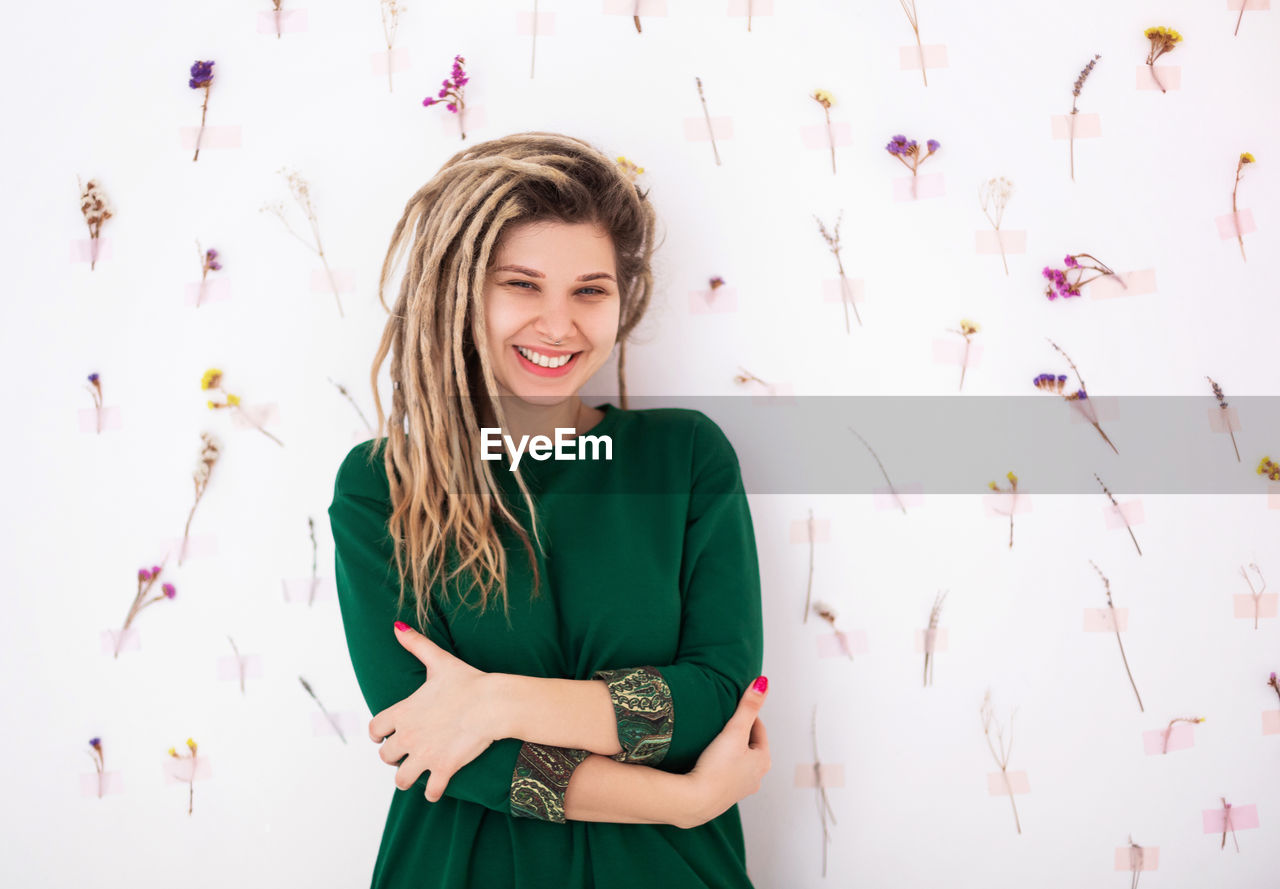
1011 477
233 400
968 327
211 378
191 744
629 168
211 405
1270 469
1246 158
993 486
172 752
823 98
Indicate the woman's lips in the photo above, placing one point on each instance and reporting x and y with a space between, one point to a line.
539 370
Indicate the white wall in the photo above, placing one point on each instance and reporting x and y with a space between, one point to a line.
100 90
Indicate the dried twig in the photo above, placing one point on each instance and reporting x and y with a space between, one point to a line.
1115 624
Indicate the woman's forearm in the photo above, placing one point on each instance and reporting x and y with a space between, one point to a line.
603 789
576 713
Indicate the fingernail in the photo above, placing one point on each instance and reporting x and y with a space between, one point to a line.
761 684
401 625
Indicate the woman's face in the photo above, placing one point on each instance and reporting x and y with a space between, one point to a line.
550 281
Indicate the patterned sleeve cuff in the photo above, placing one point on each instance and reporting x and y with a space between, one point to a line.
642 704
540 780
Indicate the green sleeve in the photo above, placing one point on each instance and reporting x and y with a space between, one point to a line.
510 776
667 715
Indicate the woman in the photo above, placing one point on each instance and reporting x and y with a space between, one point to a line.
598 732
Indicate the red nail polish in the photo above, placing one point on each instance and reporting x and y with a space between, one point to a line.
401 625
762 684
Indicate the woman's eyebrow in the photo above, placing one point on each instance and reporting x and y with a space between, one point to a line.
534 273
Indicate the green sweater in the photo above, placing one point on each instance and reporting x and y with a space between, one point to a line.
657 593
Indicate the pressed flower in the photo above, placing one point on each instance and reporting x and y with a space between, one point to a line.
994 197
213 380
1116 625
967 330
201 78
146 580
301 190
1071 118
1163 40
95 391
630 169
1245 158
998 750
1270 468
826 100
907 151
209 452
707 116
96 210
451 89
1012 491
1049 383
1222 406
909 7
391 20
833 244
1068 283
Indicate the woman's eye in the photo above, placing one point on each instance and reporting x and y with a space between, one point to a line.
590 291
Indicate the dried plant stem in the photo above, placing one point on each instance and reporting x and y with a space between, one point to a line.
533 52
1240 17
1094 418
138 604
98 766
882 470
824 804
343 390
707 114
636 17
1115 625
930 637
277 17
1227 825
1152 65
1256 595
1235 212
391 20
1222 405
1001 757
191 785
846 296
749 31
1071 137
249 419
1135 863
333 722
1169 730
808 593
204 110
315 578
1119 512
831 139
239 662
915 26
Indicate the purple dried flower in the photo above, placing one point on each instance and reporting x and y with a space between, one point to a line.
201 75
93 378
934 145
144 574
1070 262
169 590
97 742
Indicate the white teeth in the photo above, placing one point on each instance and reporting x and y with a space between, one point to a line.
544 360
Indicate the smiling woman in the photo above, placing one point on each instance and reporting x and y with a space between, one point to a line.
599 732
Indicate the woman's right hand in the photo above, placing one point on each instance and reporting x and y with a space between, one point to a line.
731 767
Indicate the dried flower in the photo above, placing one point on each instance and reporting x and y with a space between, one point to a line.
1071 118
824 805
1273 683
908 153
629 169
201 79
96 210
707 115
846 294
1012 492
192 780
1049 383
1116 505
931 636
1062 284
1116 625
1002 755
301 190
391 10
1195 720
333 722
1245 158
826 100
808 590
827 613
95 390
994 196
1222 405
451 89
209 453
208 263
1227 825
967 329
99 762
146 580
716 282
1255 595
1270 468
1162 40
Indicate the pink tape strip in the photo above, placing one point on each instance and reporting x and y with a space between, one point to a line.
932 640
841 644
1265 607
704 302
857 292
1249 5
1140 859
953 352
546 23
1181 737
988 241
1017 780
1242 818
291 21
179 771
1170 76
695 128
1088 126
214 137
814 136
1273 495
344 279
1099 620
928 185
82 249
827 774
1224 420
997 504
350 721
907 494
112 783
215 290
229 667
935 56
1271 722
112 418
780 392
475 117
398 59
198 546
821 530
298 589
758 7
132 640
1130 510
1136 283
1101 408
266 414
1227 224
641 8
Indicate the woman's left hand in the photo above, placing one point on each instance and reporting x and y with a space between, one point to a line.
442 726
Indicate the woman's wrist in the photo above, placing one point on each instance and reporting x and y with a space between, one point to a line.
603 789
